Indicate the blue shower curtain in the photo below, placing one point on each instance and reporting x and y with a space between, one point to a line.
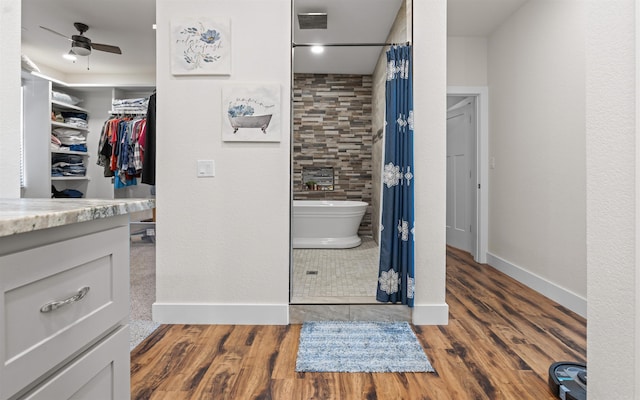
396 274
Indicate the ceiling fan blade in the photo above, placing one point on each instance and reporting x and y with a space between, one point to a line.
106 47
57 33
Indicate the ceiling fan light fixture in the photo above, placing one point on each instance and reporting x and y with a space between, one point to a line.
82 45
80 48
71 56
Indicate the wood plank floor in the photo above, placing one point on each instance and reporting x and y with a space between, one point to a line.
499 343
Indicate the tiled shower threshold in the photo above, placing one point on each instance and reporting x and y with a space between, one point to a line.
335 300
299 313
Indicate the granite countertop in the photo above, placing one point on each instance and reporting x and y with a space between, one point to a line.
26 215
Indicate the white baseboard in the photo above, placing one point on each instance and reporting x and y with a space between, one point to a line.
549 289
430 314
221 314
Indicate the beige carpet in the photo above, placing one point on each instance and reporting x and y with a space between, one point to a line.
143 290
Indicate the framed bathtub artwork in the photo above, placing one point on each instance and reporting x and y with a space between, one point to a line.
201 46
251 113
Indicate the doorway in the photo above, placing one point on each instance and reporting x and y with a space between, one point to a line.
337 124
461 173
467 170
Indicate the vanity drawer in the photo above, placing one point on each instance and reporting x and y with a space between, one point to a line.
99 374
38 337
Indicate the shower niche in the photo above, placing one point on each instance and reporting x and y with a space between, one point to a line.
317 178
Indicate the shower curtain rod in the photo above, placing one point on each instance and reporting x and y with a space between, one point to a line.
347 44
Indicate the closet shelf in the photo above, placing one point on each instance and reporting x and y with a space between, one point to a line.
132 112
69 178
79 153
63 125
61 105
44 162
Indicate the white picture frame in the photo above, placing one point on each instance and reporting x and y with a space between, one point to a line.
201 46
251 113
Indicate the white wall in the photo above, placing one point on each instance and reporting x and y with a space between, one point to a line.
223 242
537 214
96 80
97 101
430 88
466 61
10 89
111 79
612 223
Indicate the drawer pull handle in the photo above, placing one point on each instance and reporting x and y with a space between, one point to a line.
57 304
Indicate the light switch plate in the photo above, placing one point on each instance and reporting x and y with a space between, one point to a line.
206 168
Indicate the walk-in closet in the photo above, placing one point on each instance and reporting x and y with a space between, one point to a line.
88 83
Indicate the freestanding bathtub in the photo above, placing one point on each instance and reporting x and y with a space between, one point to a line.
327 224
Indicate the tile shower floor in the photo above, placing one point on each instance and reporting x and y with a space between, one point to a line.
342 276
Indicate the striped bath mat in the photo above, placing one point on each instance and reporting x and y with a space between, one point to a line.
356 346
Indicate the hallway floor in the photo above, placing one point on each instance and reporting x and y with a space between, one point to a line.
501 338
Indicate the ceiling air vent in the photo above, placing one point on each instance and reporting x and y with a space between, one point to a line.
312 20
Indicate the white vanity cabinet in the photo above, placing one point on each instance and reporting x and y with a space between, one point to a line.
65 300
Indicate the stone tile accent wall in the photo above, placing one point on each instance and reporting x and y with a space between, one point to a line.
332 128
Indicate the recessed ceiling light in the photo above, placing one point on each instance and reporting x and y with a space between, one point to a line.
317 49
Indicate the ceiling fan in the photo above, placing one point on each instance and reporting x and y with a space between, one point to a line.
82 45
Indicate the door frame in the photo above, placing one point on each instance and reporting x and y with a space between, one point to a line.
469 174
481 94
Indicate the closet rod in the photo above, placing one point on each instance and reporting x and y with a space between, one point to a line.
347 44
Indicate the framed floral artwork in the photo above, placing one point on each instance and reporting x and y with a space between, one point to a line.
201 46
251 113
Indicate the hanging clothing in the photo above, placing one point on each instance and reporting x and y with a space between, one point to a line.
120 150
396 278
149 146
